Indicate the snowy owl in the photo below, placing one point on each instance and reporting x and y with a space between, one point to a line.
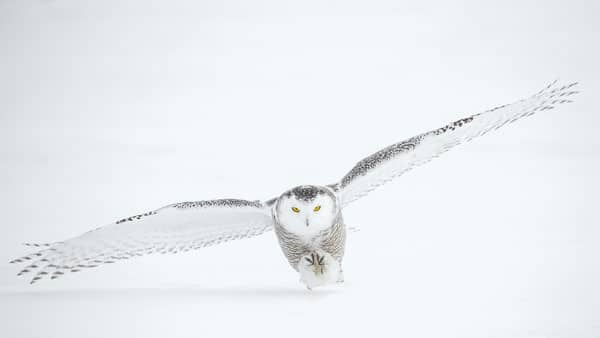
307 220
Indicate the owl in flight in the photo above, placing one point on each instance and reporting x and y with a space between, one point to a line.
307 220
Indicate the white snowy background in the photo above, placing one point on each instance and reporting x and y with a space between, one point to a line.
112 108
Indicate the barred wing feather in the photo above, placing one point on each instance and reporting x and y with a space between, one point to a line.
401 157
173 228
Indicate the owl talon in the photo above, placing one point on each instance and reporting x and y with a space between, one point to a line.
311 259
319 268
316 262
315 259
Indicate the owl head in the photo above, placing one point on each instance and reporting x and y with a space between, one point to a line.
307 209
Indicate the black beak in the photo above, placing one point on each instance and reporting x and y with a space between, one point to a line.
307 222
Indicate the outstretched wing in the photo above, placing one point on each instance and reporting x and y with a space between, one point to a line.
399 158
173 228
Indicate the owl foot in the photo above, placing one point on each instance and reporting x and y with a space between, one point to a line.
318 268
317 262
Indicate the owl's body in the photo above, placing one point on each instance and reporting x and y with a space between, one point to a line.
314 248
299 253
307 219
294 247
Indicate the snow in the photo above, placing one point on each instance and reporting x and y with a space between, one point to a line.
111 109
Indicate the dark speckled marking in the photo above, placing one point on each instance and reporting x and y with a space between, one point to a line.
229 202
386 154
307 193
371 162
452 126
136 217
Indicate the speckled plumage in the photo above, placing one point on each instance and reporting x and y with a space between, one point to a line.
369 163
331 240
226 202
403 156
306 193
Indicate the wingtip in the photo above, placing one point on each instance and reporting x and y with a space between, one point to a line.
560 89
566 84
573 85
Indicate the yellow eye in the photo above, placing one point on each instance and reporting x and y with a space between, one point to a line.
294 209
317 208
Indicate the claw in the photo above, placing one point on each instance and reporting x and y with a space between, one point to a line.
310 260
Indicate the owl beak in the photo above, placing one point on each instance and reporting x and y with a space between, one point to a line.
307 222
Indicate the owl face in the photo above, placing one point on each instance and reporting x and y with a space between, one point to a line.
306 210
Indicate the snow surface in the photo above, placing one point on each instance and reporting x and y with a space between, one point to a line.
112 108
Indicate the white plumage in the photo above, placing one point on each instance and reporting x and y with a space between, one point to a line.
308 219
174 228
401 157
